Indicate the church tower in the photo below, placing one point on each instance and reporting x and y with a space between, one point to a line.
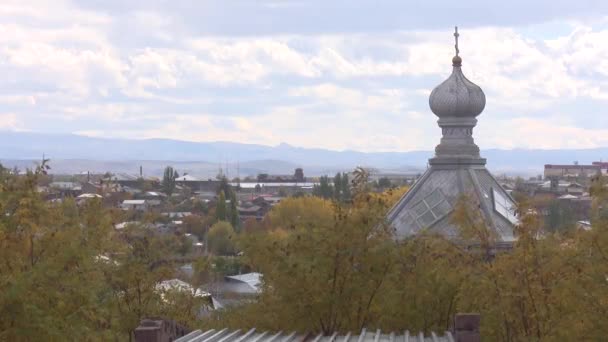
456 169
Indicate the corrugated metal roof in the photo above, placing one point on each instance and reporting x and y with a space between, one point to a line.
186 178
134 202
252 279
252 335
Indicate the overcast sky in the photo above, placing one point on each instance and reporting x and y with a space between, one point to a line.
312 73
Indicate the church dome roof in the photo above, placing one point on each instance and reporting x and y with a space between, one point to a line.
457 96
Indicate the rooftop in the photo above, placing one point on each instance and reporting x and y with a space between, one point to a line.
89 196
133 201
254 279
252 335
179 285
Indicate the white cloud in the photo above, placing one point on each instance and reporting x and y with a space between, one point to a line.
9 121
543 134
81 70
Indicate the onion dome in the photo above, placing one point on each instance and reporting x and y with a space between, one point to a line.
457 96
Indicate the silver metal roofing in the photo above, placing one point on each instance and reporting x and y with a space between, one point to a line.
457 96
457 169
430 201
252 335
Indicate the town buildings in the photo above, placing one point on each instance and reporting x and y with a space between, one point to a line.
575 170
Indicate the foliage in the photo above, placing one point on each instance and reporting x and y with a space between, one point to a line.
332 267
345 187
324 265
220 207
235 220
185 245
67 275
221 238
338 186
338 189
360 182
560 217
293 212
384 183
324 189
224 186
194 224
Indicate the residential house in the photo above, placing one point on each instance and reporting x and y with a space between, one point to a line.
91 188
153 198
575 189
138 205
252 211
235 290
85 197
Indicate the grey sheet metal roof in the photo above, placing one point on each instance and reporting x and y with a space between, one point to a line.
477 183
252 335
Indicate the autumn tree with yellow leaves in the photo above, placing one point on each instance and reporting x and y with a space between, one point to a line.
335 267
66 275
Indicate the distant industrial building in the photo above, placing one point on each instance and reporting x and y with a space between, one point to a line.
575 170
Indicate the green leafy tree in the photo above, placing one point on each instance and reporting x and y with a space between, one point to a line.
345 187
338 187
168 182
560 217
220 208
235 219
324 189
224 186
221 238
384 183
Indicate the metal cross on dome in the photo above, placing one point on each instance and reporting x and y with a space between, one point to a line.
456 38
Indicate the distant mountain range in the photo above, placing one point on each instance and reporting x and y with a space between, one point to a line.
73 154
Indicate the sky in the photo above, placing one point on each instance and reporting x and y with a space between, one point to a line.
332 74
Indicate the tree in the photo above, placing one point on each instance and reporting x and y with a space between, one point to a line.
251 225
185 245
384 183
66 274
220 208
560 217
194 224
324 189
235 220
360 180
345 187
338 187
293 212
224 186
323 259
168 182
53 248
221 238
